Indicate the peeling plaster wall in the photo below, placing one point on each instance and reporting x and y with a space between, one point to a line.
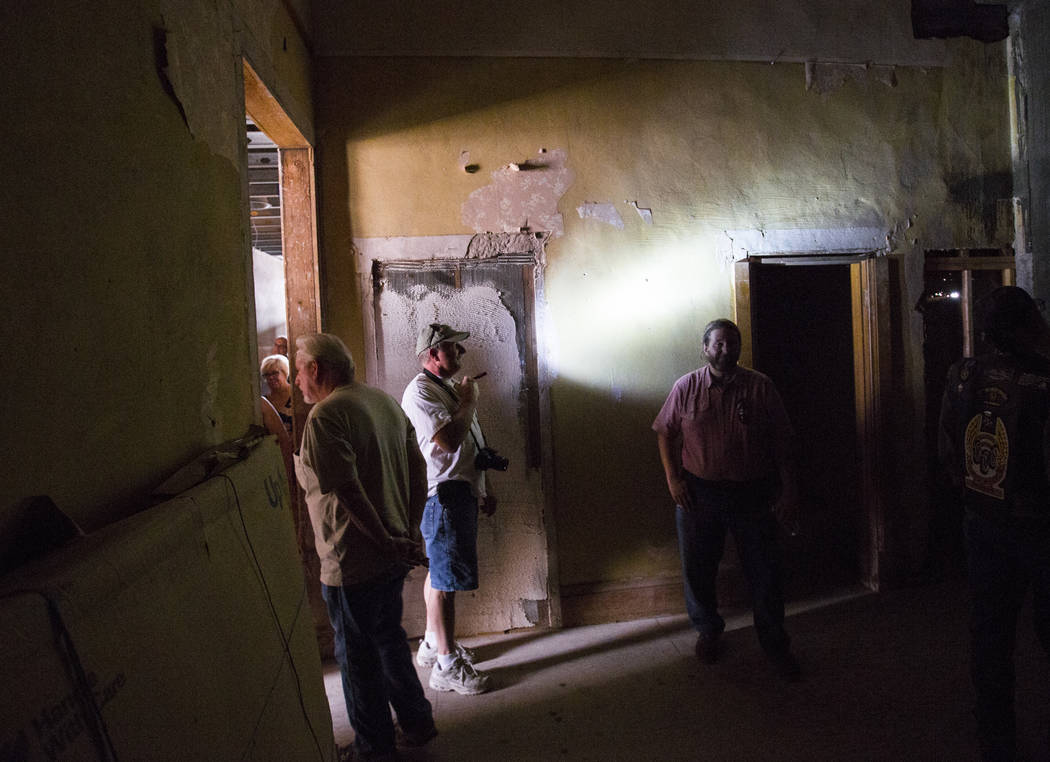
512 553
912 161
125 302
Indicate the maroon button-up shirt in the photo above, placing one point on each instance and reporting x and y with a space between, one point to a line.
731 431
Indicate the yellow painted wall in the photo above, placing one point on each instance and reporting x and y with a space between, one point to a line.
709 147
128 343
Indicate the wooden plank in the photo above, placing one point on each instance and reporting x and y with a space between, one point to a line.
742 310
267 113
299 235
867 390
299 241
303 305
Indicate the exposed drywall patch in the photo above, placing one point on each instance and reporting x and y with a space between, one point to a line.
486 245
827 77
419 248
643 212
740 244
601 211
409 248
522 197
534 611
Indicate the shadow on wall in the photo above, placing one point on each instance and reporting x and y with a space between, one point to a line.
614 518
408 92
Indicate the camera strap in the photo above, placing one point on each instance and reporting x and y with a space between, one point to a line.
455 399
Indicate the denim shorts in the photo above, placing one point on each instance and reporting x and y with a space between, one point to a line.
450 530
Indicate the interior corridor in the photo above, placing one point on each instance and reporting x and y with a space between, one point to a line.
885 678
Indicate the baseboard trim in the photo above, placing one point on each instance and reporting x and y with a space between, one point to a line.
600 602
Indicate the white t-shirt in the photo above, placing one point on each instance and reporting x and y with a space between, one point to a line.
430 407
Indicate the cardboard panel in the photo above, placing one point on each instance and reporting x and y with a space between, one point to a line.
191 626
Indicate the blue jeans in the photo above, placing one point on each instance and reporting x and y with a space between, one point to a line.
743 510
450 531
1003 561
375 662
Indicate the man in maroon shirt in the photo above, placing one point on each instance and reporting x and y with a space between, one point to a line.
725 444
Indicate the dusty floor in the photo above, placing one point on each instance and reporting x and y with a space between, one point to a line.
885 679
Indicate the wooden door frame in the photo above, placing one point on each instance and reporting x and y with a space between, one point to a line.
298 218
302 292
869 296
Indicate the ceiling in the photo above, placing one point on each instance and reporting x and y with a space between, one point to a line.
264 191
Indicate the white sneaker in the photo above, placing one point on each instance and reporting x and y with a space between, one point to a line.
427 654
460 677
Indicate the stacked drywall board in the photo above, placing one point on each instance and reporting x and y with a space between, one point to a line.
180 633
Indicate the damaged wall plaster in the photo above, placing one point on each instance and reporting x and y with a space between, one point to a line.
200 75
512 548
155 200
195 66
418 248
522 196
513 545
736 158
740 244
367 250
643 212
603 212
824 77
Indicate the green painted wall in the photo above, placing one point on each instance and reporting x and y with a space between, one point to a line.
708 147
125 303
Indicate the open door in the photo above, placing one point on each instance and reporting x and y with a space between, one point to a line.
809 324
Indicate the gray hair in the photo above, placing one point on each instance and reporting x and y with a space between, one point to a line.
334 362
274 362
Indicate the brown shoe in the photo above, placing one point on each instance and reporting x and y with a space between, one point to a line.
707 649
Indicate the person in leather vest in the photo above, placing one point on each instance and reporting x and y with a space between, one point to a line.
994 441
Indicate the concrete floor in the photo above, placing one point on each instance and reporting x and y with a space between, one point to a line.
885 679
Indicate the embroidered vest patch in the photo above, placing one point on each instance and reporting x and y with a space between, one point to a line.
987 451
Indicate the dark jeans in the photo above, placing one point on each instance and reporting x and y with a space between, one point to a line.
743 510
1004 561
375 661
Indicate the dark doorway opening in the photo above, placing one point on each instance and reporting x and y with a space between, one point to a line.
954 281
802 338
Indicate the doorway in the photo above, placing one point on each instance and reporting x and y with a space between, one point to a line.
494 300
954 280
802 337
298 247
264 202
